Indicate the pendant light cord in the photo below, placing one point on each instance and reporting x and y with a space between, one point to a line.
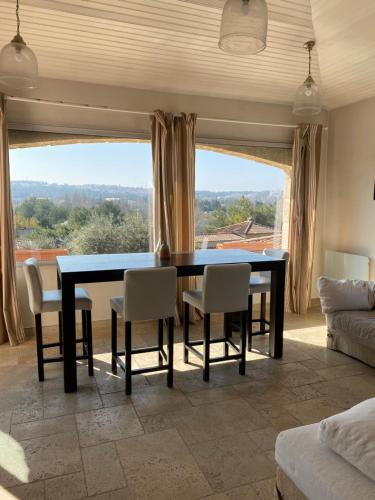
309 61
18 17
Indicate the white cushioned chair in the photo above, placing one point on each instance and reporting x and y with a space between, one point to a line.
224 290
51 301
262 284
149 294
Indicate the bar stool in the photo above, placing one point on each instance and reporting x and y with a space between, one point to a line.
149 294
225 290
51 301
262 284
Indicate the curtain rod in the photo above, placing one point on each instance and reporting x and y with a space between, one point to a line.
144 113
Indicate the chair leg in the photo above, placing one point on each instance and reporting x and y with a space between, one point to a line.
186 331
60 333
250 322
39 346
263 303
206 347
84 333
227 331
114 341
170 351
160 340
242 367
128 357
90 355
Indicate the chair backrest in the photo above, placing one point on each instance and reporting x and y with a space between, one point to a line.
150 293
277 253
34 284
225 288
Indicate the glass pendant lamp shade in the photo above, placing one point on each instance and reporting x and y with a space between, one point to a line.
18 65
307 100
244 27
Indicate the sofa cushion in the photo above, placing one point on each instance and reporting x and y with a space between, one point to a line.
357 325
345 295
318 472
351 434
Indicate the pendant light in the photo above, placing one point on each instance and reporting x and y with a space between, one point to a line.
18 64
307 101
244 27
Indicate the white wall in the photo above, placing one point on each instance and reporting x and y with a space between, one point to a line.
350 207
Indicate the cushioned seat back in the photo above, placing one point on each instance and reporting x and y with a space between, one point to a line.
225 288
150 293
277 253
34 284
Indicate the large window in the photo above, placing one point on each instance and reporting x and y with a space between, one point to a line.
239 203
82 198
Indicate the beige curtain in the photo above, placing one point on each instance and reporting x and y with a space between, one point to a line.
304 190
10 320
173 153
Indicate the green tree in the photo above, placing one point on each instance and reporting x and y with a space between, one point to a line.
240 210
103 235
110 209
78 217
43 210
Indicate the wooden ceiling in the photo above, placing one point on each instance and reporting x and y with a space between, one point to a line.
172 45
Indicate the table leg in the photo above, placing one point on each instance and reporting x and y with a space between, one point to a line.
69 334
277 311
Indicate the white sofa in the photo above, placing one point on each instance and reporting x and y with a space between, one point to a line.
309 468
350 314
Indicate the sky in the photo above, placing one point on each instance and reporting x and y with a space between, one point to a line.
130 164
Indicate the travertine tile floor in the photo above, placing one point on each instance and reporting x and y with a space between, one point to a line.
198 440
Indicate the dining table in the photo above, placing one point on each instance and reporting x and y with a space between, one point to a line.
79 269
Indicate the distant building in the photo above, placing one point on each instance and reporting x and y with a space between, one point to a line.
246 235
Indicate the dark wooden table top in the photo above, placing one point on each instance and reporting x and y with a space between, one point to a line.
108 267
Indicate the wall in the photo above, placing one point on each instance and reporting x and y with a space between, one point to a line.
350 213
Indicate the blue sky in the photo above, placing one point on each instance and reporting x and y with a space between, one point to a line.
129 164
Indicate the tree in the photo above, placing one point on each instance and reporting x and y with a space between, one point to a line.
102 235
110 209
240 210
78 217
43 210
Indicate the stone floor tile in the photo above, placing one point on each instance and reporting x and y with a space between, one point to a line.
344 371
122 494
231 462
212 395
107 424
313 410
280 418
32 491
115 399
103 469
157 399
265 489
160 466
39 458
44 427
264 438
246 492
57 403
70 487
215 420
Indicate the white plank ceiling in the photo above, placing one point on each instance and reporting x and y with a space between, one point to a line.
171 45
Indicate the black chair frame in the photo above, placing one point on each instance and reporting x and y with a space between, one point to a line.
264 323
86 341
165 361
227 340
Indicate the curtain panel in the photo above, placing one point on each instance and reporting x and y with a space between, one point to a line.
303 199
173 154
10 319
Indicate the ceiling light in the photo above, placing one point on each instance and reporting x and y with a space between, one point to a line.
18 64
307 101
244 27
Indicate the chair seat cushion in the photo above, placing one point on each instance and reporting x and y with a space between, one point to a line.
117 304
194 298
52 300
259 284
